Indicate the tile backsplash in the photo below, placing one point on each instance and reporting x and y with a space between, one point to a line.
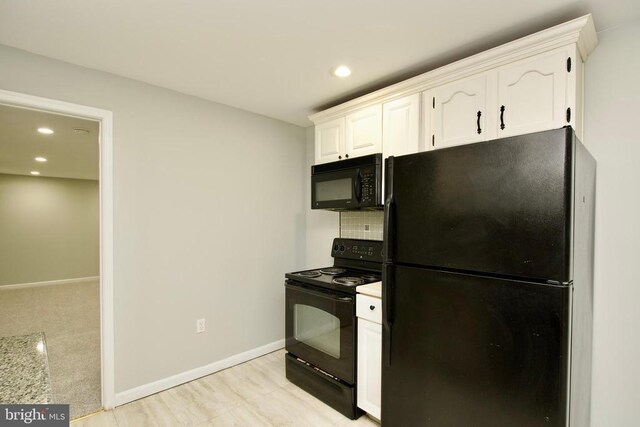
361 224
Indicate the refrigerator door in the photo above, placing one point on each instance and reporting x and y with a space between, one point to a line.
501 207
464 350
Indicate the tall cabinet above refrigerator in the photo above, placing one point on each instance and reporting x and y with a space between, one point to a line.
487 284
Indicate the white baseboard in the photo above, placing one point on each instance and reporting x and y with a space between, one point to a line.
184 377
48 283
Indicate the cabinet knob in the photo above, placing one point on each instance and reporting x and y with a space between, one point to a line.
339 157
346 156
372 307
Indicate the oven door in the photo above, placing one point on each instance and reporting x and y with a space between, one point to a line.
320 328
340 189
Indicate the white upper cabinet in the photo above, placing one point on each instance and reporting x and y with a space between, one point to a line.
357 134
531 84
458 112
538 93
401 126
330 141
364 132
532 94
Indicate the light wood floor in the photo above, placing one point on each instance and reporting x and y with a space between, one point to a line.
253 394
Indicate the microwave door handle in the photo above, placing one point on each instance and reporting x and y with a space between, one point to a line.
357 186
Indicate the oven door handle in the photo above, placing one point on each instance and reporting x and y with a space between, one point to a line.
340 298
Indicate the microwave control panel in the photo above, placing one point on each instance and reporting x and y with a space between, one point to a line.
368 186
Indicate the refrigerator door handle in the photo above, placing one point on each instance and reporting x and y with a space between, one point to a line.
389 229
387 312
387 235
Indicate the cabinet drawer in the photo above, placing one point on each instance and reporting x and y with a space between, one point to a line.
369 308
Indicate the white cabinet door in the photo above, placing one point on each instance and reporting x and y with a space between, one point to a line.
364 131
330 141
532 94
369 366
401 126
458 112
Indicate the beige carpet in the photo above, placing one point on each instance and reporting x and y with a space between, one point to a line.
69 315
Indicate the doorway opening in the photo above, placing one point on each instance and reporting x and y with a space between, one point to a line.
57 279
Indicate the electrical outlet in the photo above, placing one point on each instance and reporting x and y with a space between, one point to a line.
200 326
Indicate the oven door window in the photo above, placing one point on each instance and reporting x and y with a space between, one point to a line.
317 329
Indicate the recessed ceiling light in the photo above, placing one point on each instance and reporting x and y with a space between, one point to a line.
342 71
45 131
35 173
41 159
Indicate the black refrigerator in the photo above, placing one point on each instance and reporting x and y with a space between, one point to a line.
488 284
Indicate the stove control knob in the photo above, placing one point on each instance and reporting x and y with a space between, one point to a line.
341 248
335 247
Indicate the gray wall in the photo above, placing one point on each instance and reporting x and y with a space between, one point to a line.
208 216
612 98
49 229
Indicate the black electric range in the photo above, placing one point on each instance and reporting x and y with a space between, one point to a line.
320 318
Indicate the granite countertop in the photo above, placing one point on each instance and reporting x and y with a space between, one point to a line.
372 289
24 370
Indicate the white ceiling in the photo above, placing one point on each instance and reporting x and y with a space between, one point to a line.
69 154
273 57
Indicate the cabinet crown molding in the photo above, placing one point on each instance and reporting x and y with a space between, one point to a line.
580 31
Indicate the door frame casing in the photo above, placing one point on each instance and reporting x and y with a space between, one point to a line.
105 141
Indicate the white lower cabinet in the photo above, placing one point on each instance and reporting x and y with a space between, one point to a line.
369 356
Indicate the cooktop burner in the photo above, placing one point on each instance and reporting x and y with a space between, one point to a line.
348 281
370 278
312 273
332 271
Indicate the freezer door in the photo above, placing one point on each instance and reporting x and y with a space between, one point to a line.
501 207
467 350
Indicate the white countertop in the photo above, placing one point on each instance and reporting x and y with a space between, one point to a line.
373 289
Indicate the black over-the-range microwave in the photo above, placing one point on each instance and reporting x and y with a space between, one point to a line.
348 184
